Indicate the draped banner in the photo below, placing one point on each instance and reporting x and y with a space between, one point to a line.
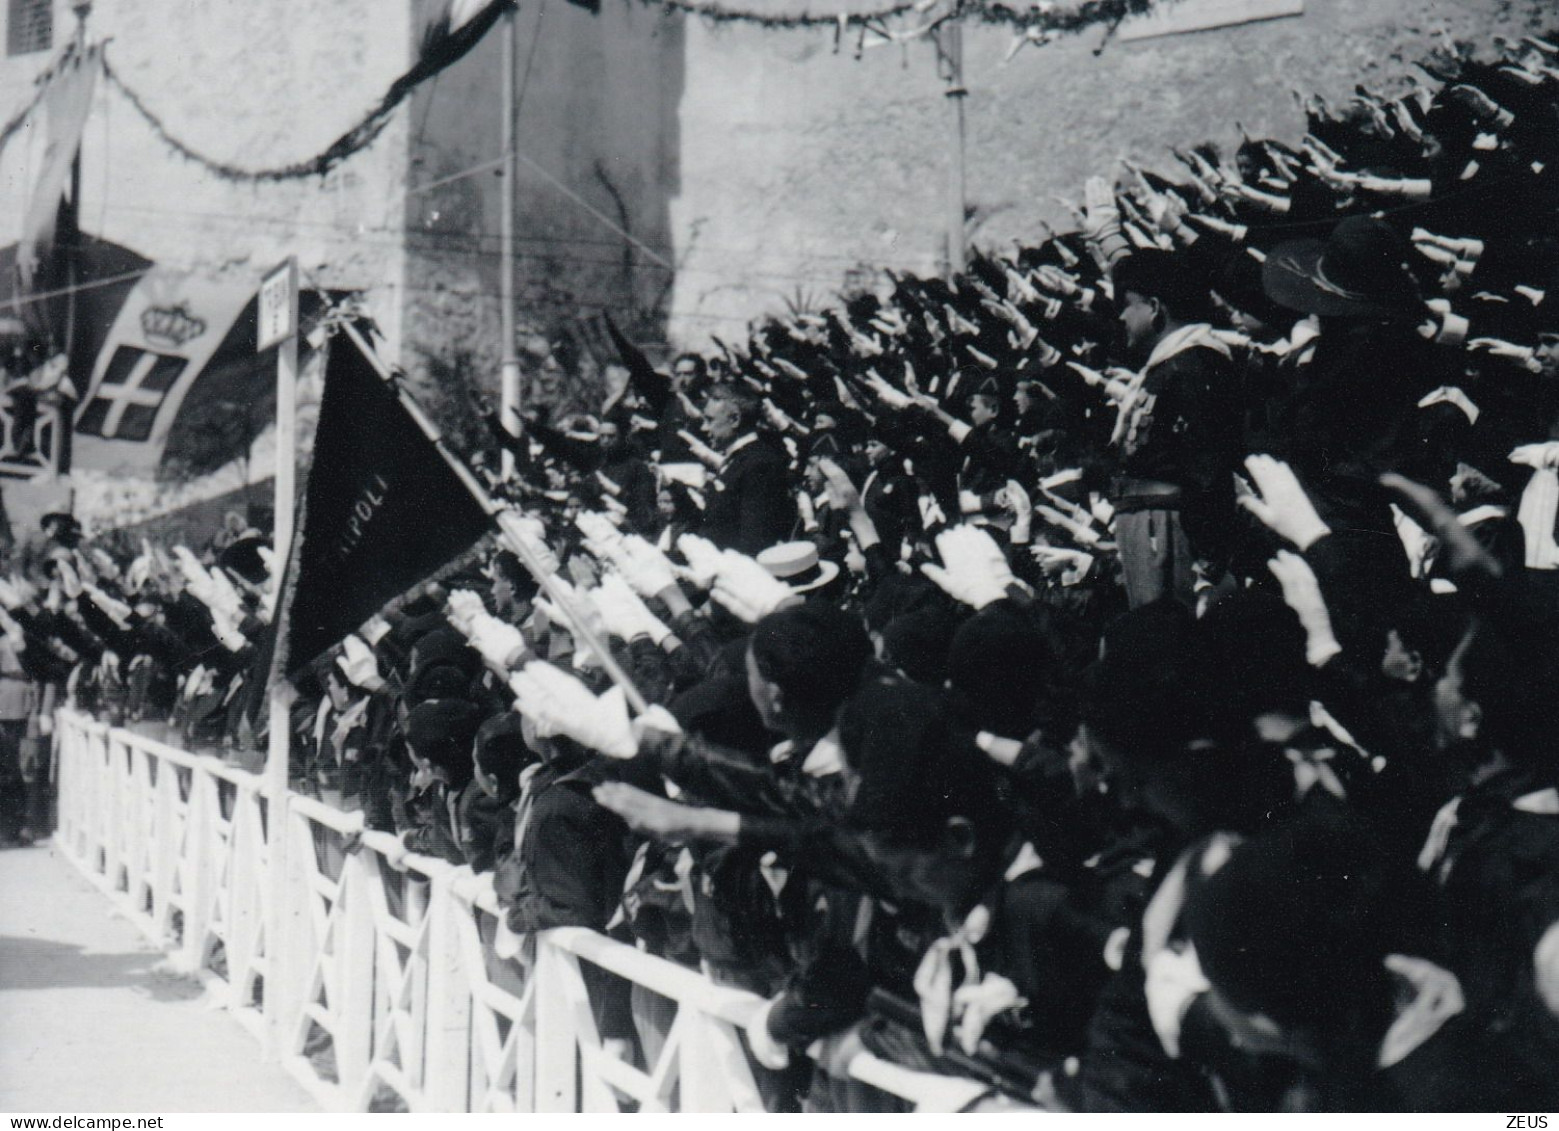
382 511
66 101
170 327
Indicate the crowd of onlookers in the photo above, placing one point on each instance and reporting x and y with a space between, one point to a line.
1124 673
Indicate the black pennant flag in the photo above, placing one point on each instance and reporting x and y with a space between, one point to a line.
382 511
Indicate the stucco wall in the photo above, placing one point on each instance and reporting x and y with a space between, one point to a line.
254 84
599 137
799 164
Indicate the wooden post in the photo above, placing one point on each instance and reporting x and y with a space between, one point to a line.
950 49
447 1052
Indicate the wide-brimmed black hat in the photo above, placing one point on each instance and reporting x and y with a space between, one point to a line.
1360 270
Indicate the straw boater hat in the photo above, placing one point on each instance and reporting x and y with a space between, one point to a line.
798 566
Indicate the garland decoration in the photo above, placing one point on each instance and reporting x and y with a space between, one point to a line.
357 138
1037 23
1044 16
446 39
721 14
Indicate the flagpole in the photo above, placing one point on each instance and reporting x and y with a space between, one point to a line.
278 325
507 521
950 46
509 392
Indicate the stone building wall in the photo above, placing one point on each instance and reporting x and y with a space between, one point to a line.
802 168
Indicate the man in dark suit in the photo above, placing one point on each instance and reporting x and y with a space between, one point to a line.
891 496
749 503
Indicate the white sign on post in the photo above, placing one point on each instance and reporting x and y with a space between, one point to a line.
278 319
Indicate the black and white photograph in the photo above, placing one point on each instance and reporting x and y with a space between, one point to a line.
778 557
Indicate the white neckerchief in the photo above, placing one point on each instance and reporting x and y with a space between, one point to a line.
1451 395
934 976
1187 337
1544 802
826 757
1171 345
1539 506
1437 997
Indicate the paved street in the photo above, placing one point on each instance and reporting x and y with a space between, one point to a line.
90 1022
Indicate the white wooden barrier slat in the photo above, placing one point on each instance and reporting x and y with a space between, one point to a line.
387 984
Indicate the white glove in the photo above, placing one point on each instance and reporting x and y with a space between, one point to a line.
462 607
1537 455
976 1003
70 581
13 631
974 570
225 629
602 538
1015 499
500 644
358 664
558 703
25 589
532 537
701 451
1302 593
375 629
199 681
1077 527
10 595
138 574
105 566
626 616
1282 504
225 597
645 568
119 612
655 721
580 602
747 589
703 559
843 495
1174 980
887 394
1072 565
196 579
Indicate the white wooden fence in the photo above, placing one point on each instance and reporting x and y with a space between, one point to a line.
383 990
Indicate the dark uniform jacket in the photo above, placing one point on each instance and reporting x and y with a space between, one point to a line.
1182 443
572 857
749 506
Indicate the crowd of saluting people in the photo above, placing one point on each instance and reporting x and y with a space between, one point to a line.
1124 673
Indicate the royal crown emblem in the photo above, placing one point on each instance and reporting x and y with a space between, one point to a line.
173 325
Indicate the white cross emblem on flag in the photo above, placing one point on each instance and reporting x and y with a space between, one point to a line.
124 406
